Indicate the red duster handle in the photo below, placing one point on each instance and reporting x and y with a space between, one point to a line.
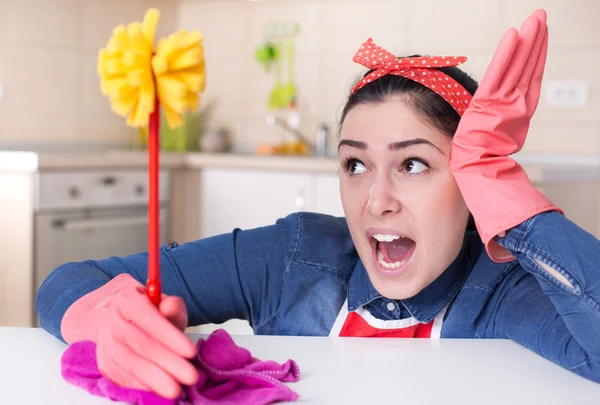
153 286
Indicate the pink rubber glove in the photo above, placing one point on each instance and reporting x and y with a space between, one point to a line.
495 188
137 345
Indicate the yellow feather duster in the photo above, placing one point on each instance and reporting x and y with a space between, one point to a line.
133 72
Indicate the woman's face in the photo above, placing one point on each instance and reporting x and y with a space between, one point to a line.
404 210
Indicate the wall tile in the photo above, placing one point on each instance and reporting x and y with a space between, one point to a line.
55 22
100 17
337 77
225 92
572 23
42 127
566 65
452 26
223 24
307 14
104 128
3 23
563 138
347 24
89 96
25 89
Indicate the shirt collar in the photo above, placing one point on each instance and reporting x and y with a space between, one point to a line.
424 306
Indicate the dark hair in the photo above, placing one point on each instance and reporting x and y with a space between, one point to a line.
425 103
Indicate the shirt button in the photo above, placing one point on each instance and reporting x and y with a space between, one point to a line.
391 306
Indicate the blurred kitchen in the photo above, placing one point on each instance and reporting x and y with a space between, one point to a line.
263 144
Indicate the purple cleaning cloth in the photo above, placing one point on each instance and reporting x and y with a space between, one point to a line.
228 375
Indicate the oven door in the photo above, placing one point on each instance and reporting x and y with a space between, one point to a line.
95 234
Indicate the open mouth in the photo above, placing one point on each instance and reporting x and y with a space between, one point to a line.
392 252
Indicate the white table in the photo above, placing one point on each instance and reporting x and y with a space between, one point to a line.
337 371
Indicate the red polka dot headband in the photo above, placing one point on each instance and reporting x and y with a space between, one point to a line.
421 70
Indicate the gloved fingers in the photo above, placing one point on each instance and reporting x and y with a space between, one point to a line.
108 366
173 308
541 14
535 88
138 309
145 346
129 370
527 38
499 63
533 60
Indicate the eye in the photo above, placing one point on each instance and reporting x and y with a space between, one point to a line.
354 166
357 167
414 166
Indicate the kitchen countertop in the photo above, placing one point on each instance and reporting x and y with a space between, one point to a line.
338 371
31 161
26 161
540 168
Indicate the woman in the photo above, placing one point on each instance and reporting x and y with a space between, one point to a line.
422 155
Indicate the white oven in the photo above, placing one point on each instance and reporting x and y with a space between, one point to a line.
93 215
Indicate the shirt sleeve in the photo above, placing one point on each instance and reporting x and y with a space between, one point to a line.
231 276
559 321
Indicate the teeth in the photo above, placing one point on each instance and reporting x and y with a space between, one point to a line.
385 264
385 238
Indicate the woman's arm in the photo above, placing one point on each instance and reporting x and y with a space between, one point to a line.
560 320
236 275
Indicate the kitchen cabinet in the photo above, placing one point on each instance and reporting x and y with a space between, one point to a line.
16 247
235 198
327 199
242 198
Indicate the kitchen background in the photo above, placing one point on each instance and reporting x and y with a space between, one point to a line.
48 52
77 160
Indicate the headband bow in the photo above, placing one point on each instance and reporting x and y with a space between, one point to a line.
421 70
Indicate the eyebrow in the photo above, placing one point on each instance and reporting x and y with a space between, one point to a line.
353 144
392 146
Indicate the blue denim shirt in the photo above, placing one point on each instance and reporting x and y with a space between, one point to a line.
292 278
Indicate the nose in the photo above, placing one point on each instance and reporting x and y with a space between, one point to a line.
381 197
